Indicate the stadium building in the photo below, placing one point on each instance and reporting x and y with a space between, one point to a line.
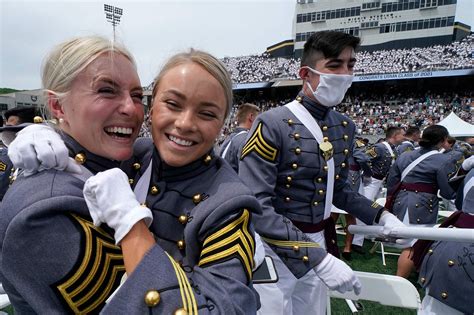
381 24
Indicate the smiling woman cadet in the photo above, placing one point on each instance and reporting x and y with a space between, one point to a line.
53 259
199 255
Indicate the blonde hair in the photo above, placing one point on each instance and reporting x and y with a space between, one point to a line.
211 64
244 110
68 59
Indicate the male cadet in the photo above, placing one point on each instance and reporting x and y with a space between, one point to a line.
16 119
412 136
295 159
382 155
232 146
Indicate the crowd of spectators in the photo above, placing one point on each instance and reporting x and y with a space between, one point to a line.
457 55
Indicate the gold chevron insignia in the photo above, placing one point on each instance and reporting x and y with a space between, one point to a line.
360 144
289 243
371 152
97 272
3 167
232 240
258 144
187 294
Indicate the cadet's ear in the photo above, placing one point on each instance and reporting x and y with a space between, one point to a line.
54 106
303 73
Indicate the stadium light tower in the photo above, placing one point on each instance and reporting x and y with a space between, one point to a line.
113 15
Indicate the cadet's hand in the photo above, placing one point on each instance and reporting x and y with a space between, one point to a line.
337 275
468 163
38 147
111 201
389 221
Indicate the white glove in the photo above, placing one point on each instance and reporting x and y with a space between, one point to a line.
111 201
337 275
389 221
38 147
468 163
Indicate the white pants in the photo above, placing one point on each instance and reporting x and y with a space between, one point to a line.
431 306
307 295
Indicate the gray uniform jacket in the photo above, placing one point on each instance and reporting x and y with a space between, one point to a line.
205 244
358 164
53 260
405 146
282 164
434 170
233 144
6 169
380 160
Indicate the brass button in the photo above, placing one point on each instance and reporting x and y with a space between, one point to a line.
183 219
344 123
337 176
430 251
290 122
326 168
287 199
296 248
450 263
197 198
325 139
299 98
180 244
325 128
180 311
346 137
305 258
422 280
152 298
416 205
431 211
444 295
321 192
207 159
143 205
288 179
37 119
80 158
418 220
346 151
130 181
343 164
294 166
320 179
297 136
315 203
298 151
154 190
416 191
136 166
287 185
333 241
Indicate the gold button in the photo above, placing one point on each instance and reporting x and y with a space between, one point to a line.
287 199
136 166
296 248
431 211
180 311
208 159
197 198
305 258
320 179
183 219
430 251
337 176
343 164
444 295
288 179
326 168
450 263
297 150
180 244
315 203
344 123
37 120
333 241
297 136
422 280
416 205
80 158
325 128
399 202
346 151
154 190
416 191
290 122
325 139
299 98
321 192
287 185
130 181
143 205
346 137
294 166
152 298
418 220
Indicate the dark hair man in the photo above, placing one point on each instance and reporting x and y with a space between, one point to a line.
412 136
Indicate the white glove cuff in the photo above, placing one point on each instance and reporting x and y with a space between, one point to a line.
324 264
130 219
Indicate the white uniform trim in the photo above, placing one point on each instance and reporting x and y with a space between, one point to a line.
416 162
389 148
309 122
468 186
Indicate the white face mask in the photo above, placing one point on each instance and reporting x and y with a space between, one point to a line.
331 88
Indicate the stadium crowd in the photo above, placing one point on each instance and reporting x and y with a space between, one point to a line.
457 55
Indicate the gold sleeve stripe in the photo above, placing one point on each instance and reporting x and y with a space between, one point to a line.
187 294
234 239
98 272
258 144
289 243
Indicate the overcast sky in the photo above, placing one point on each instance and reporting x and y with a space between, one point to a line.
152 30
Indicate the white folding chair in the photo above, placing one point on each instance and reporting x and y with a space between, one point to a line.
385 289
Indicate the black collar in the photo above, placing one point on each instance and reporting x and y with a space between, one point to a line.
317 110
